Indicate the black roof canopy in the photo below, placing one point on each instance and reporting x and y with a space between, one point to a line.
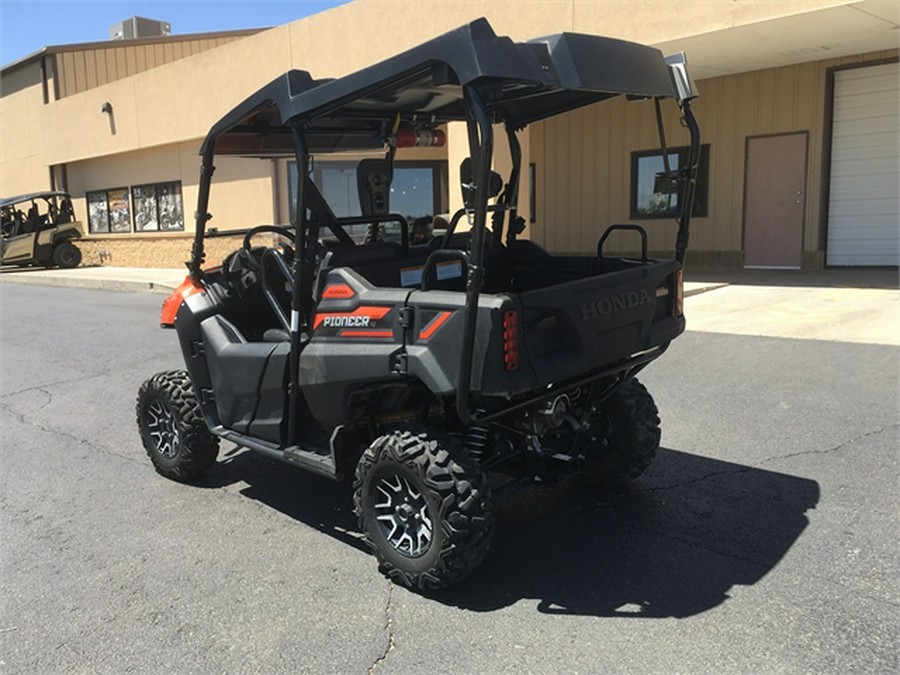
519 82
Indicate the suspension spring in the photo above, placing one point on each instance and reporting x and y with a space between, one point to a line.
476 442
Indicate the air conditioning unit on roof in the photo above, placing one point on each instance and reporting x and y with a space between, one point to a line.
139 27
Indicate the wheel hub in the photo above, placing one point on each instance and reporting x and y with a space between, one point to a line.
162 428
402 515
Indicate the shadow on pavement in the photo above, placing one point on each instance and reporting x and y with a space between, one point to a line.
886 279
9 269
671 545
318 502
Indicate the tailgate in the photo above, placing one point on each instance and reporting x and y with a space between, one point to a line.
575 327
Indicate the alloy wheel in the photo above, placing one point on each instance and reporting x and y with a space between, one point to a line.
162 428
402 515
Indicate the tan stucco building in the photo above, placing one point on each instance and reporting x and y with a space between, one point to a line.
798 107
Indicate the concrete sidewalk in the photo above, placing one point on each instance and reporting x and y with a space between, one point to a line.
164 280
842 305
854 305
129 279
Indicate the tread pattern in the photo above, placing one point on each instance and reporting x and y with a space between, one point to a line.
633 437
197 447
66 255
457 492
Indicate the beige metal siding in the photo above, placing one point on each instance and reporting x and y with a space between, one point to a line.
586 177
80 70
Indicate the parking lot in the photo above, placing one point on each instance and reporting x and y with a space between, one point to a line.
764 538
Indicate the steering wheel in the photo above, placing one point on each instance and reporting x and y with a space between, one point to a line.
253 256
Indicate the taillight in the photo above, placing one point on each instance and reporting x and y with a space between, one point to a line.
511 339
678 310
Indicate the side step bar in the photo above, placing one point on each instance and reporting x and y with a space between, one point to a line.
323 465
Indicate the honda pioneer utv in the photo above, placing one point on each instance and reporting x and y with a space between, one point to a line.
419 368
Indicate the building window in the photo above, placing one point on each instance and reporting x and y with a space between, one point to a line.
417 189
108 211
337 183
158 207
653 195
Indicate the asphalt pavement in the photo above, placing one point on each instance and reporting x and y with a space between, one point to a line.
762 539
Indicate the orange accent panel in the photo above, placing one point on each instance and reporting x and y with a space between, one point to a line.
338 291
371 312
433 325
173 302
367 333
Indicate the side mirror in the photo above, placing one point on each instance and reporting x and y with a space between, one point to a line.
684 84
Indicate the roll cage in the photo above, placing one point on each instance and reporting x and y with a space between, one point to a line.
21 214
468 75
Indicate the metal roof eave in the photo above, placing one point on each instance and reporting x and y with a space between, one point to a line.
49 50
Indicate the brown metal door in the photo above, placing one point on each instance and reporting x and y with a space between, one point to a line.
775 200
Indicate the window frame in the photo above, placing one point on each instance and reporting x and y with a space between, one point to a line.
440 191
92 226
156 201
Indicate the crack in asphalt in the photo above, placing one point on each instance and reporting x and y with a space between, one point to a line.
388 628
80 378
775 458
49 400
23 418
836 448
44 387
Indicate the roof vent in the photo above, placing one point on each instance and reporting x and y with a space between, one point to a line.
139 27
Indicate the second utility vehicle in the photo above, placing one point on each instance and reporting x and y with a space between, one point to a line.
419 368
39 228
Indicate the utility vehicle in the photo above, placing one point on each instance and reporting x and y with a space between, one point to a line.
419 369
38 228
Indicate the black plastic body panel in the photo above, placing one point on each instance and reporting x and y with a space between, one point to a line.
573 322
355 342
190 314
368 341
434 355
576 327
270 419
240 385
247 379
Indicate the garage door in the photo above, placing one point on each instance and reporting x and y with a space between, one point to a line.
864 208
